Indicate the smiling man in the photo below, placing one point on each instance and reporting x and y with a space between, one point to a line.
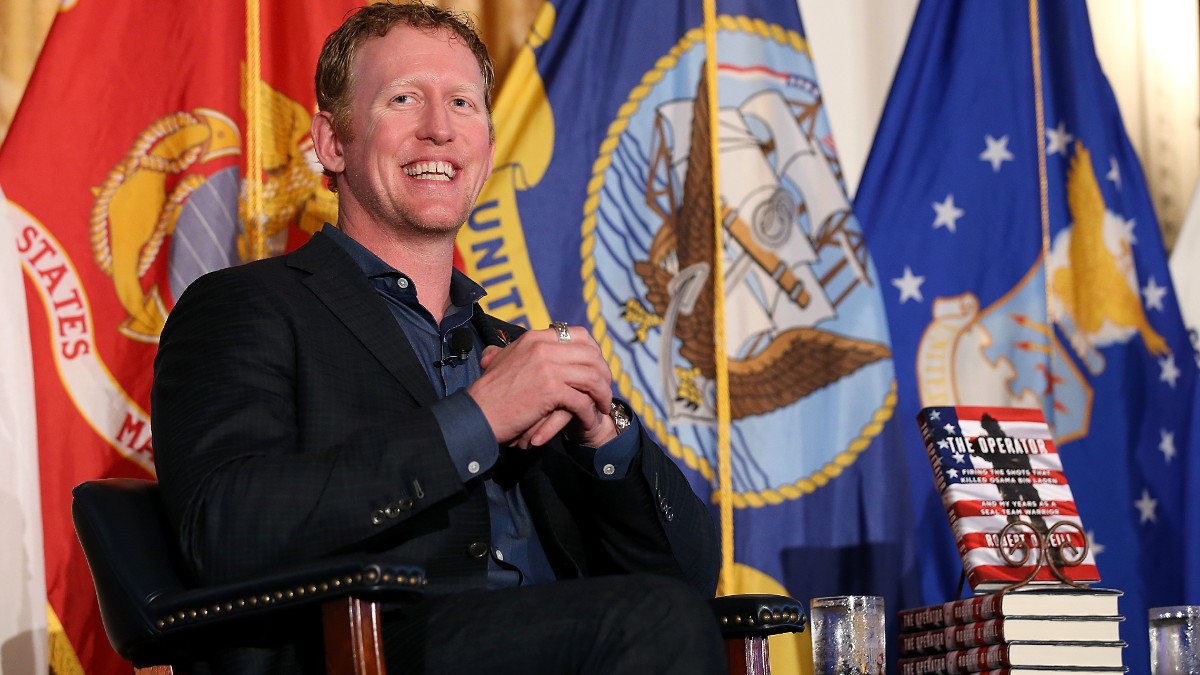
353 397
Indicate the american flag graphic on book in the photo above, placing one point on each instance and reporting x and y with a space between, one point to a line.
996 465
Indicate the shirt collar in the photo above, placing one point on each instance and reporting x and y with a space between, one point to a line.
463 291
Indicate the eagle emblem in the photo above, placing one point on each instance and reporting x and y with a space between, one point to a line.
803 322
781 355
178 190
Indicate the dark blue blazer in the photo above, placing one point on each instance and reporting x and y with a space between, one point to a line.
291 421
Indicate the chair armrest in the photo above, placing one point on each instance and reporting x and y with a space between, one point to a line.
298 586
177 619
150 605
758 615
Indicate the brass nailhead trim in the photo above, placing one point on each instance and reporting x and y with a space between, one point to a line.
280 595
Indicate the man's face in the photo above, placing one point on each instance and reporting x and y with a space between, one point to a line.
421 150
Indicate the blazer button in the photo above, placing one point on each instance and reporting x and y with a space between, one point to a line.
477 550
405 503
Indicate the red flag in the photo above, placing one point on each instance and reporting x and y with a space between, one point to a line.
123 169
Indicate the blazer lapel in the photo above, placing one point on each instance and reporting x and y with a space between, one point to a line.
341 286
493 331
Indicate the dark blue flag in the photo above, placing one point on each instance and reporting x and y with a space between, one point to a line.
602 211
996 298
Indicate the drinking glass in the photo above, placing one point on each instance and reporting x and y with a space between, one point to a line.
848 635
1175 640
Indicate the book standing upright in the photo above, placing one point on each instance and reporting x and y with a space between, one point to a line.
1024 551
1002 484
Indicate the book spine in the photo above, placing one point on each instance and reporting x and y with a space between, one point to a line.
919 618
923 642
955 612
977 634
924 665
956 661
970 610
977 659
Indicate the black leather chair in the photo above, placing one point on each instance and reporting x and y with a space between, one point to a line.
154 614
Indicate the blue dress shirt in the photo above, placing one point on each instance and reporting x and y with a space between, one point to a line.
517 557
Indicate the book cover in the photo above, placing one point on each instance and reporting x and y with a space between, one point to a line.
1029 601
1013 628
1016 654
997 465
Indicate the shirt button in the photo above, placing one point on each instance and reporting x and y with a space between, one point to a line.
402 282
477 550
499 555
609 469
473 467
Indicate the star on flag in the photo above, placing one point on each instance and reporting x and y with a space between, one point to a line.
1058 140
997 152
1146 506
947 214
909 285
1154 294
1170 372
1166 444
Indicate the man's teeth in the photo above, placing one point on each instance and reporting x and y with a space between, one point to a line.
430 170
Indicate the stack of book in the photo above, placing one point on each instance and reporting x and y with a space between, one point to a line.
1006 495
1038 631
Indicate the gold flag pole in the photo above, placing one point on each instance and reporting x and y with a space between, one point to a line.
724 461
1039 107
255 226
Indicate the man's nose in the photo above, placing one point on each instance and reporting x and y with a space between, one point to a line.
436 125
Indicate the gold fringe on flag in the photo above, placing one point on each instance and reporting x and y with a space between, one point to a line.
63 659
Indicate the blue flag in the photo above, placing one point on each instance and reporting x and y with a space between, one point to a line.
602 211
995 299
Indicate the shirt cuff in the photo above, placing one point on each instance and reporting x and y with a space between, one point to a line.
611 461
468 436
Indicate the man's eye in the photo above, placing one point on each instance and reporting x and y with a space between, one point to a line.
402 98
461 103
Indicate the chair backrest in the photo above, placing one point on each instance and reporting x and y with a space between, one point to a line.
154 613
131 552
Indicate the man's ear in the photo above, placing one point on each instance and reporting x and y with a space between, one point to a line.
491 161
326 143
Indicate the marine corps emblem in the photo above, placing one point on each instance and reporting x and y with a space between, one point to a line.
172 183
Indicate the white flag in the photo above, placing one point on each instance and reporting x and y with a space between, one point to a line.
23 619
1184 272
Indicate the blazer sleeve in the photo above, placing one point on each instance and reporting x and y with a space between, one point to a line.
260 460
649 521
